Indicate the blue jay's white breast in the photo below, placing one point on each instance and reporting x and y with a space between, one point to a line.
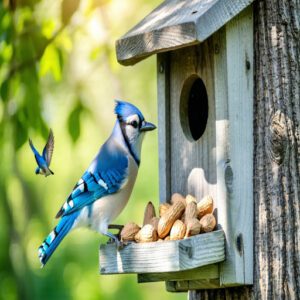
106 209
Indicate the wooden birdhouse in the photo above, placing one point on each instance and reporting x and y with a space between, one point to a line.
204 54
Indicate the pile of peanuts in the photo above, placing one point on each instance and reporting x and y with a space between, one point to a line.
181 218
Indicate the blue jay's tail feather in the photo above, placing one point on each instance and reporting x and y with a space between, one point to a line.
55 237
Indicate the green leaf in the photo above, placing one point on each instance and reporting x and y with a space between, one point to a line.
51 62
74 121
20 131
7 51
4 90
48 28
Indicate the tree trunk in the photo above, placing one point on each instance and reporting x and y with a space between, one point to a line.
276 156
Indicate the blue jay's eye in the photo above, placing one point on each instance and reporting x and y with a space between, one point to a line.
134 124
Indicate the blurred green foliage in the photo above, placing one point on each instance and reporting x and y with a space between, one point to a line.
59 70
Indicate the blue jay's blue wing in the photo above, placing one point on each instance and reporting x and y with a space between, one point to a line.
105 176
48 149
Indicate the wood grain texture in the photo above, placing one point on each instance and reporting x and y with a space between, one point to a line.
175 24
277 150
206 272
163 104
235 147
276 156
169 256
185 285
193 163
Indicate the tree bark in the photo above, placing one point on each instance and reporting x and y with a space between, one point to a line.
276 156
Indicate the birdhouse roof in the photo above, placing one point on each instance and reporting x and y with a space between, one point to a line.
176 24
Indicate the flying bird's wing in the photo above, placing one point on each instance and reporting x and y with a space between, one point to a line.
32 147
36 154
48 149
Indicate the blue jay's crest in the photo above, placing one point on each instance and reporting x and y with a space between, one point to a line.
125 109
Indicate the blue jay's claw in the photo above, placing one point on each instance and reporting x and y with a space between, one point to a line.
121 245
115 226
113 238
118 227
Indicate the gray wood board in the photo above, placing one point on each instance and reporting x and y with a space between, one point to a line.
168 256
186 285
176 24
193 163
163 104
206 272
235 154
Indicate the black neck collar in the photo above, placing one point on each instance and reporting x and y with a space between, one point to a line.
136 159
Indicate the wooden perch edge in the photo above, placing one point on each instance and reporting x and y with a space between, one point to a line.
167 256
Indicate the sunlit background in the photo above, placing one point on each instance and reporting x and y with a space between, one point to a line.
59 70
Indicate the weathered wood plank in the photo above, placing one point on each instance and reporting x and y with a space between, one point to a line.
238 172
163 104
169 256
175 24
206 272
186 285
193 164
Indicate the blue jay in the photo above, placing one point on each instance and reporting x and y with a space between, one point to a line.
104 189
44 160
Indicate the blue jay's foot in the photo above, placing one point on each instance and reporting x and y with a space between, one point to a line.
118 227
116 240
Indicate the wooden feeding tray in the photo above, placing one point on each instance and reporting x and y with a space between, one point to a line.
167 260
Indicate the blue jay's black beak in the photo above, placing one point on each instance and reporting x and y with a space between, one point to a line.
147 126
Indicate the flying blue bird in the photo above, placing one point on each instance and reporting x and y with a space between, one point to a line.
105 187
44 160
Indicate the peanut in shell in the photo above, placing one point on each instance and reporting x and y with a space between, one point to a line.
163 208
149 213
177 197
154 222
191 211
193 227
189 198
177 231
205 206
208 223
168 219
129 231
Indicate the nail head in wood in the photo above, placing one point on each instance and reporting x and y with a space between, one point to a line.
239 243
229 178
248 64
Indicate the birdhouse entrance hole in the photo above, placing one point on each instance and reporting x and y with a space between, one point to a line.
193 108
